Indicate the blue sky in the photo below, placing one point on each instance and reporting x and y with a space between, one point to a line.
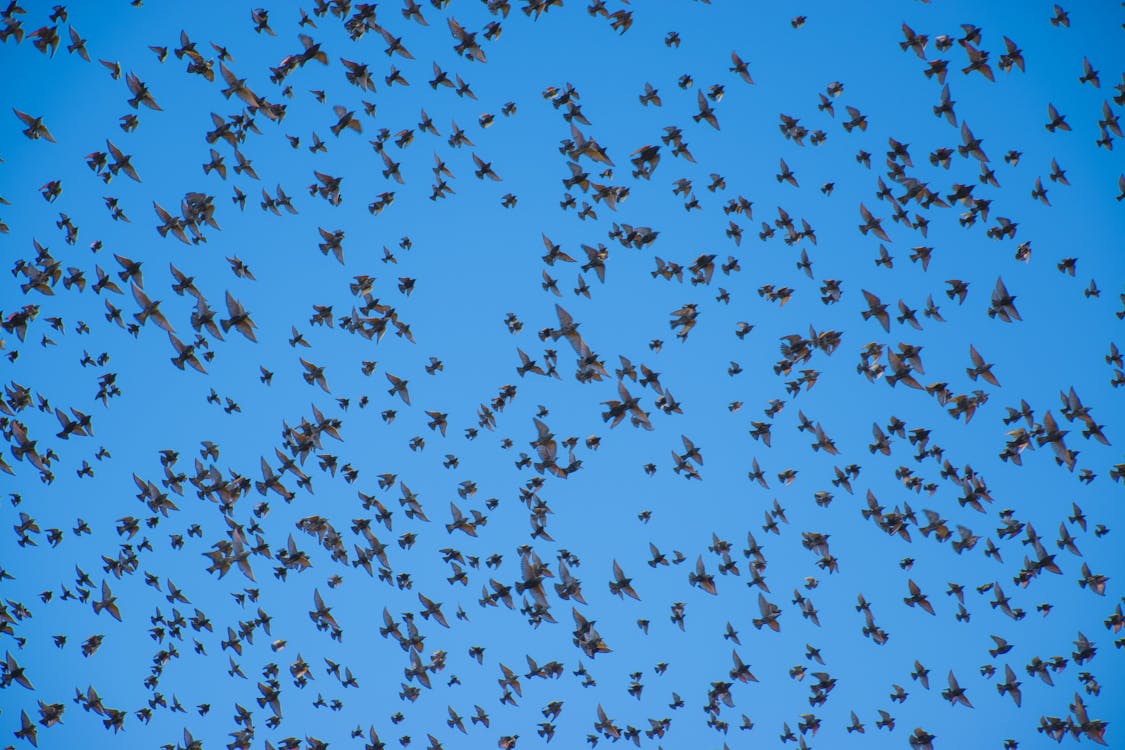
473 261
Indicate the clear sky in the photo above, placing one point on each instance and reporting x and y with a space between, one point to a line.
742 338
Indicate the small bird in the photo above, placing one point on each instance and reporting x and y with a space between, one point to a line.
35 128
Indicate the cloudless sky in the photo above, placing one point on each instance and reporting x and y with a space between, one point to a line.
473 261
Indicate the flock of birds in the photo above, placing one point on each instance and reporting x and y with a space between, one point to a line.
314 519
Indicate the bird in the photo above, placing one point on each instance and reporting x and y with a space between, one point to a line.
35 128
